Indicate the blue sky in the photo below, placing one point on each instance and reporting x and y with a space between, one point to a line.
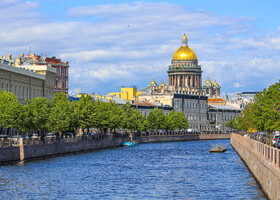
110 44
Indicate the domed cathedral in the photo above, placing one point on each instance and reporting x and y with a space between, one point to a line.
153 83
184 72
211 89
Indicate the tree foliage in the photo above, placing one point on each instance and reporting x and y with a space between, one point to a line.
10 110
61 115
262 114
133 119
36 114
156 119
176 120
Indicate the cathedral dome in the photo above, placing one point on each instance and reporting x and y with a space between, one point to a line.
184 52
215 83
162 83
208 81
153 83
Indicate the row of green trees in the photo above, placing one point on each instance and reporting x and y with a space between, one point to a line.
263 114
61 115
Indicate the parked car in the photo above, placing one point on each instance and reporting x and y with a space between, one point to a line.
15 138
34 136
68 134
50 135
24 136
3 136
278 143
274 139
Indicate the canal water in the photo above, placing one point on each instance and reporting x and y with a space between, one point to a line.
174 170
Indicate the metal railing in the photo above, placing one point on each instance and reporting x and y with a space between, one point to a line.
6 142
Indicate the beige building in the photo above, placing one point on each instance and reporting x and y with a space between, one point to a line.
26 83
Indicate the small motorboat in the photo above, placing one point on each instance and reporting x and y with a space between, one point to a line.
218 148
129 144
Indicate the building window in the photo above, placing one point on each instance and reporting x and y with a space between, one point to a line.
27 93
23 92
19 92
2 85
16 90
7 86
63 84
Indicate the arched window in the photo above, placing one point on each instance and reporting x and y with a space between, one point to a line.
7 86
2 85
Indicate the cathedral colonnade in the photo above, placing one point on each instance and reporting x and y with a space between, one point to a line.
185 80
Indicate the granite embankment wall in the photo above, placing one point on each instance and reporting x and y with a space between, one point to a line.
9 154
42 150
176 138
262 160
33 151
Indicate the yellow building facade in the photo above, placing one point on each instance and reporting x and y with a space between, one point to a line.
127 93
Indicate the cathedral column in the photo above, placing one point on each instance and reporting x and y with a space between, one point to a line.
169 80
191 81
188 80
183 80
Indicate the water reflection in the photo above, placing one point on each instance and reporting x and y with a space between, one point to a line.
182 170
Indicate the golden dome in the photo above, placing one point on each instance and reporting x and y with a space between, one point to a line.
208 81
153 82
162 83
184 52
215 83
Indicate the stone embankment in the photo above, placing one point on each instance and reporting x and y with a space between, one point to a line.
262 160
175 137
34 149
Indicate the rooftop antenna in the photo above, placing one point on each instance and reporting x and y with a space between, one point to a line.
30 49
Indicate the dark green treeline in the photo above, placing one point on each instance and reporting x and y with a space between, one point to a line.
61 115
